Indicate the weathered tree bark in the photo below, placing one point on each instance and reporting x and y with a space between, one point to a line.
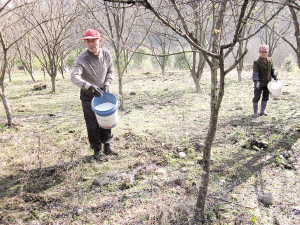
61 68
197 70
122 106
44 71
6 106
240 65
215 103
3 72
197 77
120 81
297 32
53 76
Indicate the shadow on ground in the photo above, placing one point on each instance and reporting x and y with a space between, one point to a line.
37 180
248 162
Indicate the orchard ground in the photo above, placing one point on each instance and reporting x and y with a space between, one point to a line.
48 174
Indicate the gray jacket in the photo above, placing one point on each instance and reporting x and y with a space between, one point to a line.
92 69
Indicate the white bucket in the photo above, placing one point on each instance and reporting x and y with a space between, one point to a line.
106 110
108 122
275 87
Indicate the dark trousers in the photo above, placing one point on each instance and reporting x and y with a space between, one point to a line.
96 134
257 94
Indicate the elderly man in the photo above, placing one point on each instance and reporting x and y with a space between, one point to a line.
92 70
263 72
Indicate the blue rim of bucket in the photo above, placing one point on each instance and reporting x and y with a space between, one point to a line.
107 97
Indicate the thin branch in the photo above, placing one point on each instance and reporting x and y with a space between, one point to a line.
180 16
148 6
259 29
236 62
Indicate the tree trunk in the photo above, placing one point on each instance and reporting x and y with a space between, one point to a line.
32 77
6 106
53 76
197 70
239 69
197 73
122 107
197 83
62 73
215 103
25 70
240 65
2 93
29 69
44 71
200 205
163 69
120 79
297 33
61 69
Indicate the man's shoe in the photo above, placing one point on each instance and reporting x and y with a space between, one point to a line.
99 156
108 150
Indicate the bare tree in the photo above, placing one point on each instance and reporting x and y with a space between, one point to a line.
268 35
25 55
215 58
119 28
11 59
242 46
51 38
240 50
9 17
294 9
62 56
201 21
160 43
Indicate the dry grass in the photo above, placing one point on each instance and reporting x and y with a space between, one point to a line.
47 170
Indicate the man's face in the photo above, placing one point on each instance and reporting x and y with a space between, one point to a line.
263 54
93 45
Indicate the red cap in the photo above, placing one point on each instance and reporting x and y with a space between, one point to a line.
263 48
91 34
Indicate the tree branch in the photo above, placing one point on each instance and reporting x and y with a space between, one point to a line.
235 63
259 29
148 6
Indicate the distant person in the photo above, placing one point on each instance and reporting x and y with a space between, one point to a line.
263 72
93 73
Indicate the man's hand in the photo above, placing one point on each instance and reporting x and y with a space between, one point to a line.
105 88
257 83
95 90
274 74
